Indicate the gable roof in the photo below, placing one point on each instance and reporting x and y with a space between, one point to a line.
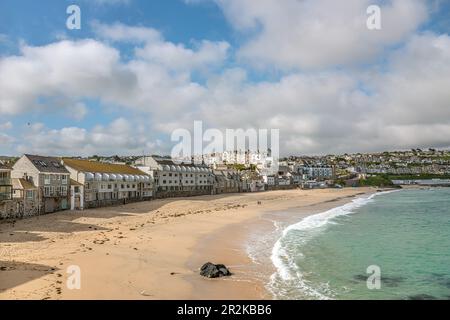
46 164
75 183
100 167
22 184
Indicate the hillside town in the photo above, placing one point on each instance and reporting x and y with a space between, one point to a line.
34 185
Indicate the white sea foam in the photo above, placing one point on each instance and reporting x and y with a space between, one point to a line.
288 273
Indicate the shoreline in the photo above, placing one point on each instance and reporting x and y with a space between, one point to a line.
252 275
150 250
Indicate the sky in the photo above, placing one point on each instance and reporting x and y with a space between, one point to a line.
137 70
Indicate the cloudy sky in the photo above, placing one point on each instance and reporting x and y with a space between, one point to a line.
137 70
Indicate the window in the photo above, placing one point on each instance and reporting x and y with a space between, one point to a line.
64 179
164 181
46 179
76 189
170 174
64 190
46 191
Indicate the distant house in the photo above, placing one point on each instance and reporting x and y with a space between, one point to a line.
49 177
318 172
227 181
252 180
313 185
177 178
269 180
296 178
97 184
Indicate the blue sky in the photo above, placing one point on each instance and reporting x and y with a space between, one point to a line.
39 22
298 66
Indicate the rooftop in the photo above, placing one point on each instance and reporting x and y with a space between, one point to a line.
22 184
170 162
47 164
100 167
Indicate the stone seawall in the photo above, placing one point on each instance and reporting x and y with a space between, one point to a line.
176 194
112 202
287 187
17 209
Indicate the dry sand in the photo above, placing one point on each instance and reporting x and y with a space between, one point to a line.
151 250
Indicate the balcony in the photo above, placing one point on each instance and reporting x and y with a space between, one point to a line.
5 182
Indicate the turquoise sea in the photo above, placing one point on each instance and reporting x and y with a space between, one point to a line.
406 234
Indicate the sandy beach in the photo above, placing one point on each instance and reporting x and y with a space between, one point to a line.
152 250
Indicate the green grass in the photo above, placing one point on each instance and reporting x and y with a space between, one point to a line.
376 181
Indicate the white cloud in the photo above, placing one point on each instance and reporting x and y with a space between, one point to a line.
319 33
79 111
4 38
164 53
63 69
178 57
119 137
122 32
5 140
6 126
402 103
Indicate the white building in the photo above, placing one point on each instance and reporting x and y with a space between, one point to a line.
177 177
259 159
317 172
102 184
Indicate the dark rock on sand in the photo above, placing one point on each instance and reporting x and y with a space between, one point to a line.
211 270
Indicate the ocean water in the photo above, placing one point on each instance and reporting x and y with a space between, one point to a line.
406 234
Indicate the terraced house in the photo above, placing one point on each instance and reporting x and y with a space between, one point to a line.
98 184
177 179
50 178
